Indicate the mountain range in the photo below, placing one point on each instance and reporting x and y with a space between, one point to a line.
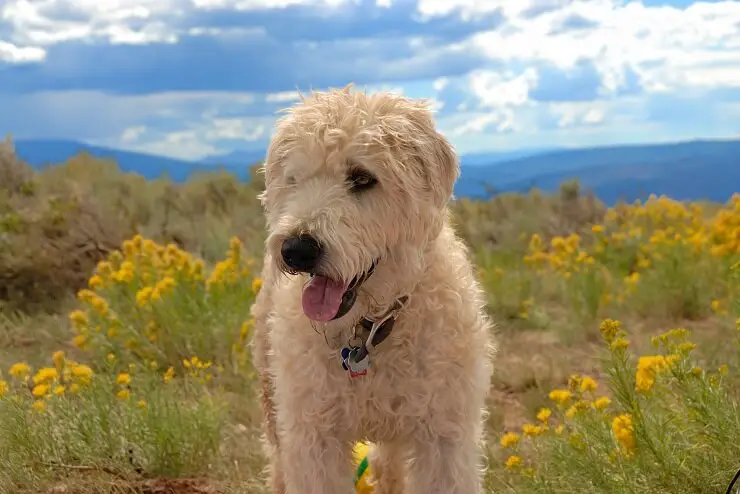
689 170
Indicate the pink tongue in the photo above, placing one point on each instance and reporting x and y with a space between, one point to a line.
322 297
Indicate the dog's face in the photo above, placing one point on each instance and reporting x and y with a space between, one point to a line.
349 179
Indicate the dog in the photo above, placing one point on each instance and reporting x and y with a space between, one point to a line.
370 324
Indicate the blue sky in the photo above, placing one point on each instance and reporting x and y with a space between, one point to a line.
193 78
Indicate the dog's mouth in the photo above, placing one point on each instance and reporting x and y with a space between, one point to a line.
325 299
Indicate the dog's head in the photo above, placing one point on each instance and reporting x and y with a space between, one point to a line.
349 179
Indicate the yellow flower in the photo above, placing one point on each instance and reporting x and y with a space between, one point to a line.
45 374
560 396
39 405
256 285
58 358
544 414
609 329
123 379
141 404
79 340
532 430
601 402
588 384
82 373
648 368
513 461
123 394
559 429
723 370
509 439
623 431
597 228
619 344
20 370
144 295
169 374
3 388
74 388
40 390
79 318
59 390
95 281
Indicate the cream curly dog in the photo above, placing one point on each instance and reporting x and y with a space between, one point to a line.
370 323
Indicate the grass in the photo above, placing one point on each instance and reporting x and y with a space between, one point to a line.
618 334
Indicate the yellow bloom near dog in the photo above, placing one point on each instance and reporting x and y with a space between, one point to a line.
362 473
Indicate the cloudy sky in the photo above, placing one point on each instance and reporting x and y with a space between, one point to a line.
191 78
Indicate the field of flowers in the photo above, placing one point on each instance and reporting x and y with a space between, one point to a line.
617 370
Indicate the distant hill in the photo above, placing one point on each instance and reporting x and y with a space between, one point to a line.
40 153
701 169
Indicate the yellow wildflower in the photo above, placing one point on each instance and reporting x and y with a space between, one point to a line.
509 439
544 414
169 374
39 405
532 430
3 388
40 390
560 396
601 402
123 379
588 384
20 370
79 318
58 358
123 394
609 329
58 390
141 404
45 374
95 281
648 368
623 431
513 461
256 285
723 370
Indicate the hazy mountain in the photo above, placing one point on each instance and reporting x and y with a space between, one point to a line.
40 153
699 169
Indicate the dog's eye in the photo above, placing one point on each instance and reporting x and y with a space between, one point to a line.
360 180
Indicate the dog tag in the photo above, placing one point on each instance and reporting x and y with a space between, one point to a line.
356 360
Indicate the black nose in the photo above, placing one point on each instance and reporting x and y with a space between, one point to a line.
301 253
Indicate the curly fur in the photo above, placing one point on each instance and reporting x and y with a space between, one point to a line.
423 401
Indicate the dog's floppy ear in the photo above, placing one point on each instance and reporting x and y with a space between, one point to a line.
439 160
444 168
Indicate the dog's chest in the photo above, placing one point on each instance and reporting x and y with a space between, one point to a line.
387 402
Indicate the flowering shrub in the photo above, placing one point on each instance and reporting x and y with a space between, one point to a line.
158 305
663 257
662 424
137 421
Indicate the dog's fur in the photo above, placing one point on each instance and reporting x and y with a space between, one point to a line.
423 401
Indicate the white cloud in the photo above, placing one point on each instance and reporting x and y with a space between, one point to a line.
132 134
282 97
15 54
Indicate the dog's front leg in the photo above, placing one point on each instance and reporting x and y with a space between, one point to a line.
315 461
445 466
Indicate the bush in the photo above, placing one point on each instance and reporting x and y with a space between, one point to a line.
663 425
50 237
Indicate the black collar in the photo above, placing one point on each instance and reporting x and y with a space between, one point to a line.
386 324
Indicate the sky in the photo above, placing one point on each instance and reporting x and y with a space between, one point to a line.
199 78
